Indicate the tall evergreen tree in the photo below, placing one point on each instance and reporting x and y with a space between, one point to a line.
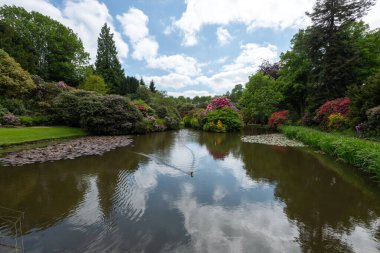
107 63
331 52
142 81
152 86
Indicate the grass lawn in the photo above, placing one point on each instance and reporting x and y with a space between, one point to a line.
9 136
361 153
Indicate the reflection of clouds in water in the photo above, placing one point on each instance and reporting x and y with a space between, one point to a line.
219 192
236 168
361 239
253 227
88 212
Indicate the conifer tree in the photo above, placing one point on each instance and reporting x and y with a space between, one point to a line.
152 86
107 63
331 52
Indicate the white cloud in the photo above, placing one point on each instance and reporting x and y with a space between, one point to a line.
373 17
191 93
135 26
180 64
253 13
84 17
172 80
242 67
223 35
145 49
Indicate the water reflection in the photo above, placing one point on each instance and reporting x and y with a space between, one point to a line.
242 198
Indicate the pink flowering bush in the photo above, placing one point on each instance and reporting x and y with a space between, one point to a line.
339 105
219 103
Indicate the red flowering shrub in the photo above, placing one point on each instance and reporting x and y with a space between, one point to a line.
339 105
140 107
278 118
220 102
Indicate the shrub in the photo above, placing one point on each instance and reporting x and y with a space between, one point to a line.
336 121
373 123
15 106
186 121
307 119
3 111
162 111
10 120
212 127
66 108
34 120
111 114
363 98
278 118
219 103
229 118
339 105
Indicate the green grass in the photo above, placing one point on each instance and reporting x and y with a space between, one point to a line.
361 153
10 136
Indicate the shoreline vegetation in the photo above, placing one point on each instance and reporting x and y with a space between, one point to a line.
24 135
360 153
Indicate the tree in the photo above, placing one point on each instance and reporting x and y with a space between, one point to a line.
270 69
142 82
152 87
331 51
294 74
236 93
260 97
94 83
42 45
129 85
107 63
14 80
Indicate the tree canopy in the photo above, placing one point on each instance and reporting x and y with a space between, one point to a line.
42 45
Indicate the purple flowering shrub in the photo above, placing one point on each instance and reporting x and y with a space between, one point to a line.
10 119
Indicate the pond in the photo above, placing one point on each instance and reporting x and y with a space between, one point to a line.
189 191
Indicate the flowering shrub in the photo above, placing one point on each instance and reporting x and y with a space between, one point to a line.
278 118
212 127
339 105
219 103
10 119
336 121
361 129
140 107
63 86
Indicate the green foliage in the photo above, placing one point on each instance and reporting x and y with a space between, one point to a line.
360 153
107 63
34 120
3 110
94 83
42 45
373 123
229 118
66 106
129 85
14 80
14 105
259 99
331 45
110 115
236 93
363 98
143 93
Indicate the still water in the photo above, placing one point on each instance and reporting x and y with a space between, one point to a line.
189 191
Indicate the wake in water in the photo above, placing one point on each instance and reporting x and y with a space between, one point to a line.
159 160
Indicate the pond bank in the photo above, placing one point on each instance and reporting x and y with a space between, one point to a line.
92 145
360 153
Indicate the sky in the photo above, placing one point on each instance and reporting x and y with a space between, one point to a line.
188 47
